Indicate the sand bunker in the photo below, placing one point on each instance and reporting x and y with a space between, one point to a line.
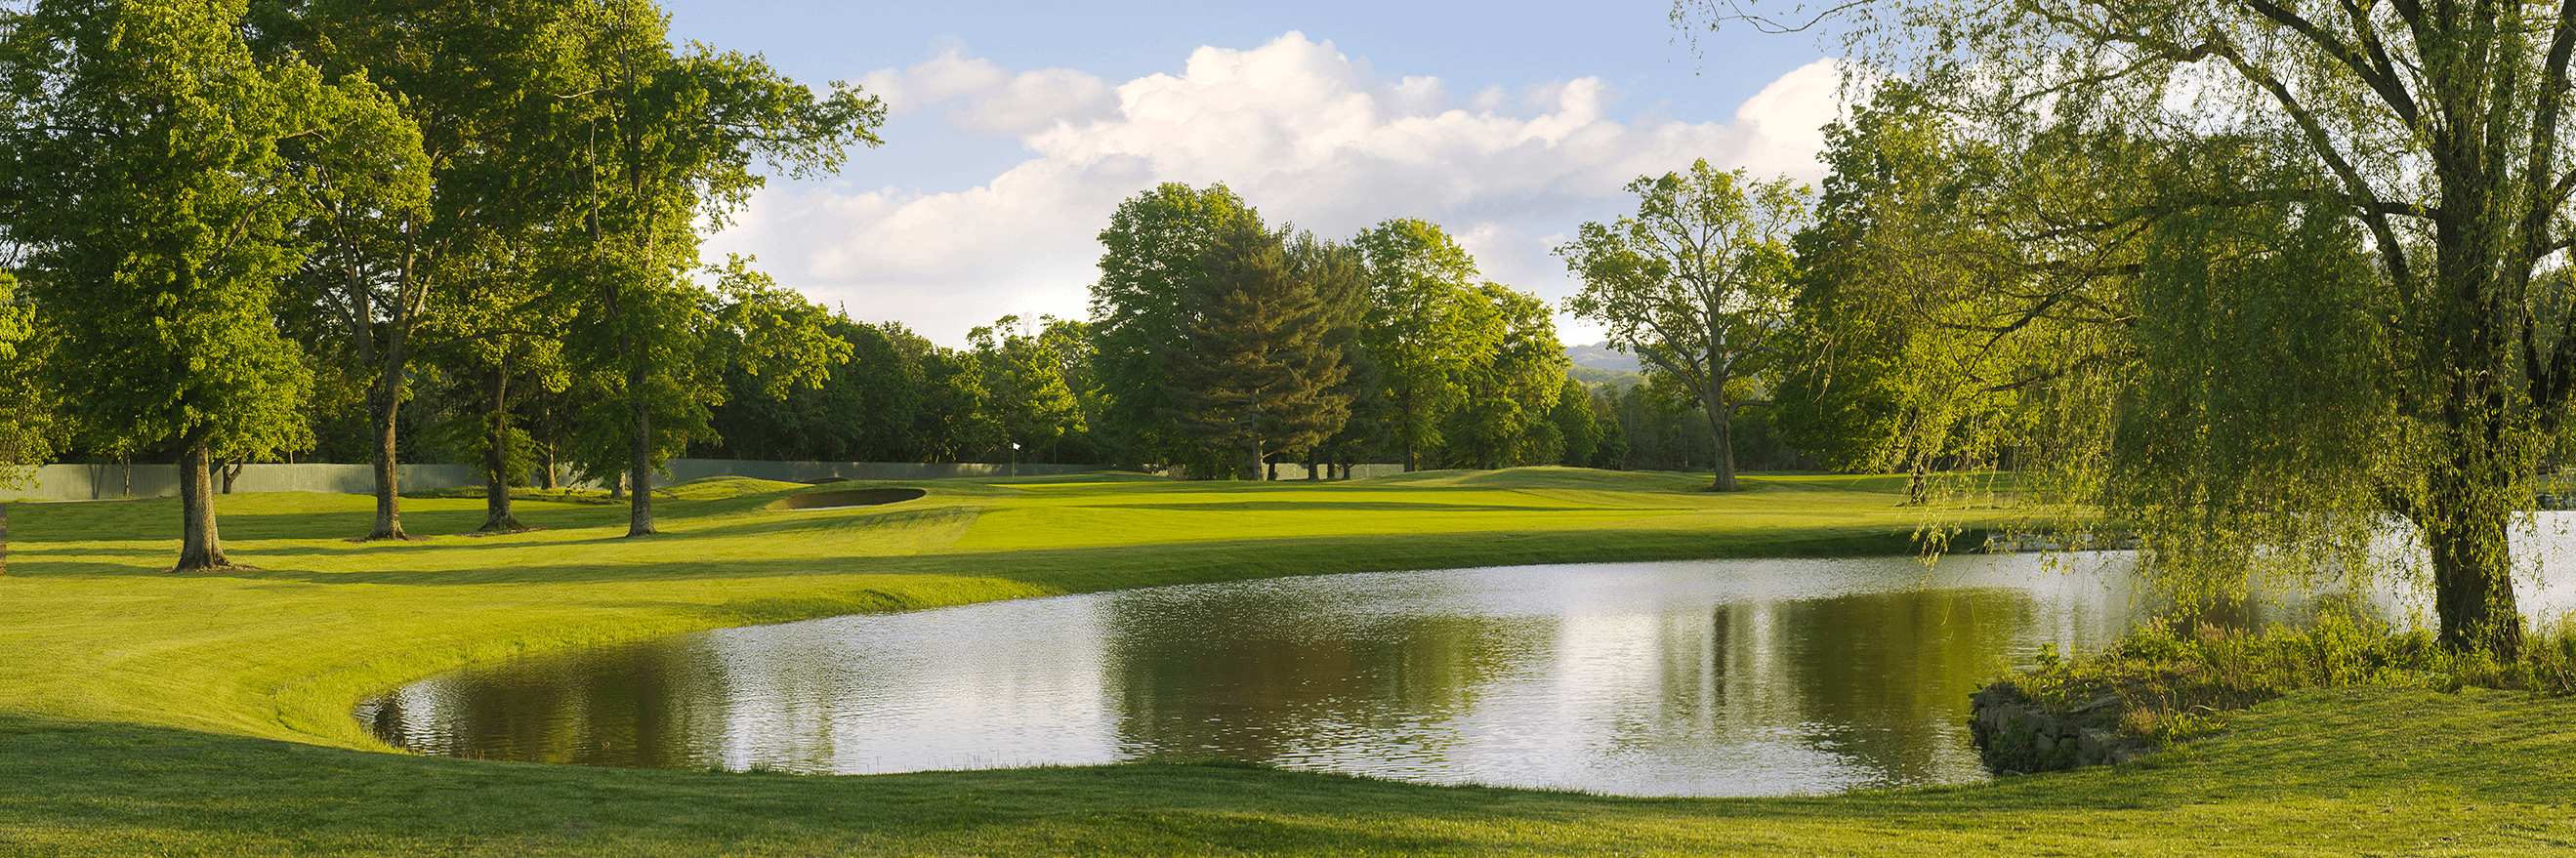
839 500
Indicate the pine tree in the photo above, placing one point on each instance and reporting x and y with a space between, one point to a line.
1259 374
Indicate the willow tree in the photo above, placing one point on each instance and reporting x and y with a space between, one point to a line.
144 183
2426 138
1903 353
1695 284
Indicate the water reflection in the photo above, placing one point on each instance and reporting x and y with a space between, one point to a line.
1699 678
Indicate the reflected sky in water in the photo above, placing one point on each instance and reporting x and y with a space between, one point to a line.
1713 678
1740 677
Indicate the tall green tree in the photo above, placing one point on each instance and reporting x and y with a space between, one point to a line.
1890 362
1260 373
954 423
1696 284
1578 433
143 179
663 142
477 82
1512 369
1072 343
1340 276
1420 326
1150 253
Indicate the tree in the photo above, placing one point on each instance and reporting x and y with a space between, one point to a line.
144 181
1572 418
403 211
28 401
1025 389
1340 276
662 142
1150 252
1259 372
1070 341
2430 134
1889 362
1421 316
1507 379
1696 284
953 424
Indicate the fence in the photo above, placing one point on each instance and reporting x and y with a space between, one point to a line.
98 482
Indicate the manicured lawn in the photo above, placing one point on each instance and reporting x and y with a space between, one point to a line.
148 713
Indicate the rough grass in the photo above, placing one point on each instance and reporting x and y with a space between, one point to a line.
151 713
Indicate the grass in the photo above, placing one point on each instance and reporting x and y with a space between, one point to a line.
150 713
2177 686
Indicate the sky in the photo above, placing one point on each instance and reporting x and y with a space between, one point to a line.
1015 129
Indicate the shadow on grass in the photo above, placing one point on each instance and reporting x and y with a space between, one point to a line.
1077 569
1387 506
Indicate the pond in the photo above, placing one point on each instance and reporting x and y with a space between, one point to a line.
1706 678
1739 677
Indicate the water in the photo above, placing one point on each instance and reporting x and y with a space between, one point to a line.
1747 677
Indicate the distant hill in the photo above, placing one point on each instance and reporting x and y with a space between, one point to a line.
1600 357
1596 377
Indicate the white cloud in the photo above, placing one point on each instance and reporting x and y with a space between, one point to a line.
1305 134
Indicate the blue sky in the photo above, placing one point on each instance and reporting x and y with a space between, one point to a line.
1017 128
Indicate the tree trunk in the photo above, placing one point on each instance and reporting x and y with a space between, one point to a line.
1412 460
199 548
2467 508
385 406
639 460
497 515
1722 437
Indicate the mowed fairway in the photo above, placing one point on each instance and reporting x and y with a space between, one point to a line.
143 712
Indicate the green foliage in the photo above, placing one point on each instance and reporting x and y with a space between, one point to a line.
28 402
1423 328
1696 284
1510 372
1027 393
660 142
1260 375
2423 139
148 193
1152 248
1572 420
